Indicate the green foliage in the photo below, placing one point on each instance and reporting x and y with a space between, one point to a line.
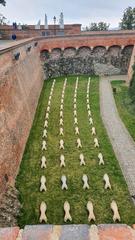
128 20
93 27
101 26
125 107
3 2
132 86
28 180
2 19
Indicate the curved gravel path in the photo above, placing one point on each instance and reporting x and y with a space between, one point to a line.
123 144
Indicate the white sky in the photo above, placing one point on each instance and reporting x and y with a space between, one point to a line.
75 11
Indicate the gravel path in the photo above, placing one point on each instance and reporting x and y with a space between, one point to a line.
123 144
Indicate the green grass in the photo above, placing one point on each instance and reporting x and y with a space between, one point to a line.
28 180
125 108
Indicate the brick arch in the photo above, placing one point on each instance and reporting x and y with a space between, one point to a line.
114 50
99 51
55 53
84 51
44 54
84 46
56 49
69 52
127 49
99 46
114 46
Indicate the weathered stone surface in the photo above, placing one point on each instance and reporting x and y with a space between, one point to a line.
106 69
9 208
9 233
41 232
71 232
98 61
115 232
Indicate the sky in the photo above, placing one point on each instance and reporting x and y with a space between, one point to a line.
75 11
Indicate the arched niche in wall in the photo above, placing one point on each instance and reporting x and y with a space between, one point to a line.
84 51
99 51
114 50
127 50
69 52
44 54
55 53
126 54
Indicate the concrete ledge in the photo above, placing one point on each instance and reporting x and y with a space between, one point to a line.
9 233
69 232
37 232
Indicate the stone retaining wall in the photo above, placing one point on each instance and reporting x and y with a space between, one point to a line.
98 61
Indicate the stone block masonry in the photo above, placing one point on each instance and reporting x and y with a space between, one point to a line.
107 53
98 61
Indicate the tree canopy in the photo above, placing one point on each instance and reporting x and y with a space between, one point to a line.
101 26
3 2
128 19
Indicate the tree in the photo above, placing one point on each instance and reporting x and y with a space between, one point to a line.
3 2
2 19
128 20
93 27
101 26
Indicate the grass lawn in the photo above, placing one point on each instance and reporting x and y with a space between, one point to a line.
28 180
124 106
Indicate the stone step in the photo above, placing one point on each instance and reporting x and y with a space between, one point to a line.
69 232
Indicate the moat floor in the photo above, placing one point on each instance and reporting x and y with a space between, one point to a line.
28 180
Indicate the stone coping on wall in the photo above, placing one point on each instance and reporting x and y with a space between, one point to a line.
11 45
69 232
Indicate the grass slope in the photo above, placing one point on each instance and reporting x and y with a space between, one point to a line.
124 106
28 180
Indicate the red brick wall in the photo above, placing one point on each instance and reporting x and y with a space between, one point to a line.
8 31
20 85
88 40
